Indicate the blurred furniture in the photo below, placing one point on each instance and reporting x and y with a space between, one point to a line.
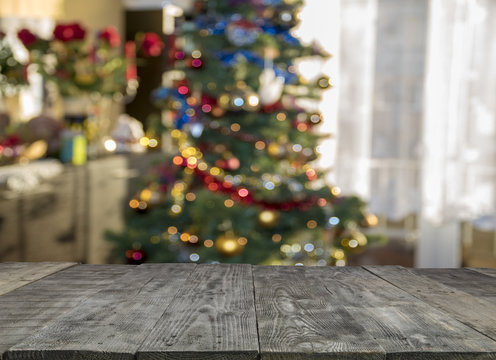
234 311
399 248
64 219
479 246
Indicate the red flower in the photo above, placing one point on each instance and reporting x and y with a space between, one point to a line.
69 32
111 36
11 140
27 37
152 44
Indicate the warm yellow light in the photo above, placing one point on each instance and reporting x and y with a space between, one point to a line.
146 195
185 237
153 143
172 230
176 133
180 186
208 243
144 141
253 100
188 152
229 245
228 203
311 224
190 196
110 145
224 100
259 145
176 209
372 220
214 171
267 216
353 243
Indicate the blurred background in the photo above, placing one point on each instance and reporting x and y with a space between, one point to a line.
411 112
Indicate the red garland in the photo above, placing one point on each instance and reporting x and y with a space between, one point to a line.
233 192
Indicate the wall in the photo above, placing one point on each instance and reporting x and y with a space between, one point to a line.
95 14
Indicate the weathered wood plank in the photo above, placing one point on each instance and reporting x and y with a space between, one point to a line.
77 283
486 271
406 328
475 312
306 310
112 323
471 282
15 275
212 317
298 318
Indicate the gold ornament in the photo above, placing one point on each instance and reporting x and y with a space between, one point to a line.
268 218
370 220
228 245
275 149
285 16
315 118
324 82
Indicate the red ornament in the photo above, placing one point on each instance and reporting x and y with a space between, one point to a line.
233 163
135 257
110 35
27 37
179 55
130 52
69 32
152 44
183 90
196 63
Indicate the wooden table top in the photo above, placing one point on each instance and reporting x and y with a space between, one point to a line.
215 312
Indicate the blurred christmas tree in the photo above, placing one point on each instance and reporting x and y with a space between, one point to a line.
242 186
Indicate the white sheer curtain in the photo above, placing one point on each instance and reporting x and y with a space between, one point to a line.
459 135
459 167
380 104
416 122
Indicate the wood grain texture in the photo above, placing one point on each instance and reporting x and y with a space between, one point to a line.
14 275
376 314
240 312
490 272
476 312
405 327
468 281
26 310
211 317
113 322
298 318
